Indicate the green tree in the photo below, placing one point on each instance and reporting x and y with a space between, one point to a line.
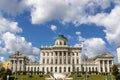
115 70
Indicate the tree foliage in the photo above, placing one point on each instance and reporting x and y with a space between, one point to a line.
115 70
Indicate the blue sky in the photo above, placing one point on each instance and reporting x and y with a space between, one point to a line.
25 25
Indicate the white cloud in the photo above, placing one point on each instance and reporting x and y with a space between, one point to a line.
53 27
11 42
7 25
64 10
2 59
111 23
78 33
93 47
13 6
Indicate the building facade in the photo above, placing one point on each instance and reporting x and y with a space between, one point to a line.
62 58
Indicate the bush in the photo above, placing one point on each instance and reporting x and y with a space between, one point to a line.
41 75
118 77
78 75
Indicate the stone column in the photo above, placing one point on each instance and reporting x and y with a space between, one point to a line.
53 57
108 66
103 66
66 57
71 58
58 53
75 55
62 57
99 66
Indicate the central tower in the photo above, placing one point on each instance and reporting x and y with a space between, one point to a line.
60 57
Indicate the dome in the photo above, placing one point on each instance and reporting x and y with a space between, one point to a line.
61 40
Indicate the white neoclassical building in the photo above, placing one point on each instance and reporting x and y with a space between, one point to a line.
62 58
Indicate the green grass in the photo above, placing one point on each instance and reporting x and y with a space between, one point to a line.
37 77
92 77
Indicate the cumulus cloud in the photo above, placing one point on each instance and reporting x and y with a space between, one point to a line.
2 59
111 24
94 46
13 7
67 10
78 33
11 42
53 27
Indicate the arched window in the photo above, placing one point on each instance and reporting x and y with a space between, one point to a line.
60 43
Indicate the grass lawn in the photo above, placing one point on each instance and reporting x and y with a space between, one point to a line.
37 77
92 77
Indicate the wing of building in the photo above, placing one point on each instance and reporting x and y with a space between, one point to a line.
62 58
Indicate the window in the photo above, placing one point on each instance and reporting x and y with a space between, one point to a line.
77 61
77 69
68 54
55 69
89 69
92 68
105 69
43 61
51 61
96 68
56 53
64 43
60 69
77 54
47 69
51 69
47 61
64 61
60 61
73 61
60 43
60 53
68 69
38 69
47 54
28 69
43 69
43 54
83 69
31 68
34 68
55 61
101 69
64 69
64 53
100 61
69 61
